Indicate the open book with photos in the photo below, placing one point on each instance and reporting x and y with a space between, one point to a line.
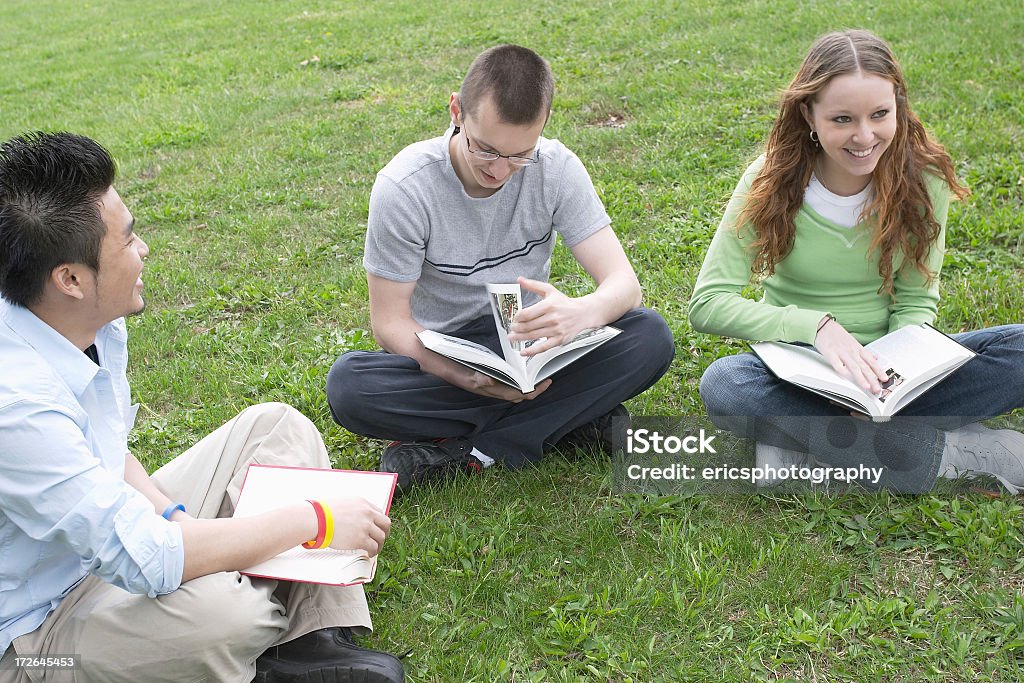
513 368
267 487
916 358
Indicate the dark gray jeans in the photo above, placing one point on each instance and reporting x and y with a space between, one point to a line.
386 396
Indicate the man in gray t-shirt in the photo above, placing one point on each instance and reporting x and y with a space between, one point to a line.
481 204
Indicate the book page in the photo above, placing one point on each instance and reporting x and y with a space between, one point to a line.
790 360
268 487
470 354
917 350
471 348
317 566
806 367
506 302
551 361
915 357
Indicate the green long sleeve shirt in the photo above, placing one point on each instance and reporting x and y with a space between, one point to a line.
829 270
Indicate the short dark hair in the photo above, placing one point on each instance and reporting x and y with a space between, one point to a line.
518 80
50 184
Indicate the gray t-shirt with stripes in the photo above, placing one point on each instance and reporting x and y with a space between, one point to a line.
424 228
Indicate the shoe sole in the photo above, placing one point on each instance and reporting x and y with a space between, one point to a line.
288 672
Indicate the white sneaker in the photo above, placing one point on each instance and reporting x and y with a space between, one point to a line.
766 455
975 449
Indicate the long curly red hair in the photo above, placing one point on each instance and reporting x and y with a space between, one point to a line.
901 210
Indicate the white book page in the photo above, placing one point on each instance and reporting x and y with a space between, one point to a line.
551 361
463 344
461 348
317 566
268 488
788 361
916 357
506 302
917 350
808 368
470 354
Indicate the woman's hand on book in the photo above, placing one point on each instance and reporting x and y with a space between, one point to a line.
848 357
358 525
556 318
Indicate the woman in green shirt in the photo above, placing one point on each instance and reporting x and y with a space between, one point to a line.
842 221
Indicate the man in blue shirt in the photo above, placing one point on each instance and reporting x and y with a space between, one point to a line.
97 558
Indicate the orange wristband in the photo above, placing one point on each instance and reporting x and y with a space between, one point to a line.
321 526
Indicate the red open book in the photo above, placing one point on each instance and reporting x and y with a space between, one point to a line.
267 487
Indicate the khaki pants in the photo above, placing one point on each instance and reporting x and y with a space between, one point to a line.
212 628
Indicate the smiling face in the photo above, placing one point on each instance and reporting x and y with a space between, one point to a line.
854 117
118 283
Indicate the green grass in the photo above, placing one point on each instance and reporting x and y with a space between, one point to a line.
248 164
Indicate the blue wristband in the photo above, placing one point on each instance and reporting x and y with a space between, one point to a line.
171 509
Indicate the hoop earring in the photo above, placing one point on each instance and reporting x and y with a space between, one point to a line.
814 139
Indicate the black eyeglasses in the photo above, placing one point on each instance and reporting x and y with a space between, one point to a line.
513 159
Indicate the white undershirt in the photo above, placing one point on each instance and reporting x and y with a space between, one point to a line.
843 211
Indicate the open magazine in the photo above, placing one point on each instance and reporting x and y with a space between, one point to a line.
514 369
916 358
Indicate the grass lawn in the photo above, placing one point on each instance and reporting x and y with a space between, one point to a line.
248 135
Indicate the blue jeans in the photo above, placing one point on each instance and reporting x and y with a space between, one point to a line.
743 396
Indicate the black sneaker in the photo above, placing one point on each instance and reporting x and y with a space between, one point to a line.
421 462
327 656
599 434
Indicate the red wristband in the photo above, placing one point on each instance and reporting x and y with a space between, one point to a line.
321 527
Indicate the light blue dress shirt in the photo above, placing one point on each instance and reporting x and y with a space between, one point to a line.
65 509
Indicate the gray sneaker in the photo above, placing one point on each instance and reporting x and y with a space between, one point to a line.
975 449
778 458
